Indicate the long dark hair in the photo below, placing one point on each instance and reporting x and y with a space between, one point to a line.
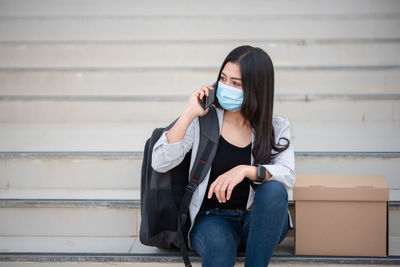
258 99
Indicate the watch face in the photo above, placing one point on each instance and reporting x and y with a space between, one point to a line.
261 175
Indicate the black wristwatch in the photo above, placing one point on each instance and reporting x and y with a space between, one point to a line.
261 174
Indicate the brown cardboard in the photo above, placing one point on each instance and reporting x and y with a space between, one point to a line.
341 215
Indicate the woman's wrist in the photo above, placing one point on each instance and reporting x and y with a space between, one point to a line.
251 172
189 114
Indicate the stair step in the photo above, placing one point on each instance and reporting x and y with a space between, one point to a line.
95 221
20 259
121 245
133 251
85 82
116 175
164 27
75 137
155 262
62 196
211 54
66 244
175 7
120 110
107 203
324 136
111 225
93 217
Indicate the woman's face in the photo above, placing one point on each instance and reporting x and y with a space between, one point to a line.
231 75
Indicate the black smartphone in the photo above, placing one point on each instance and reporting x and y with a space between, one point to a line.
206 101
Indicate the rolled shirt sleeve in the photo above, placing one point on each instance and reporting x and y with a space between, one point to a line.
167 156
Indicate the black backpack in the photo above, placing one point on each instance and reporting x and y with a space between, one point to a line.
165 197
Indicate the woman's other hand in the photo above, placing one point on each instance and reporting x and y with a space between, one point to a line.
223 186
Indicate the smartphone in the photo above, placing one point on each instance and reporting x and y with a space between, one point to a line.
206 101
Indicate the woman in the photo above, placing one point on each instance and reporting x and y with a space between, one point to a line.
242 203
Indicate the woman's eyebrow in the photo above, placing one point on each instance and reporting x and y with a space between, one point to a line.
233 78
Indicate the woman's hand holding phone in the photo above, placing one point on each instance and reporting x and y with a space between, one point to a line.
193 109
194 106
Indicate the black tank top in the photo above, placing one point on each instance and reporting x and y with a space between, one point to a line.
227 157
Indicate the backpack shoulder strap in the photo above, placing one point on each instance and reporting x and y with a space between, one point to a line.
209 136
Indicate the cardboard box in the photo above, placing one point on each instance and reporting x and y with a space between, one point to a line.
341 215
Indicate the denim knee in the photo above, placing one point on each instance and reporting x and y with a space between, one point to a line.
215 250
211 243
272 193
212 235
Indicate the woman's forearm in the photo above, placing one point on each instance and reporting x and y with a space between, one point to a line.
178 131
251 173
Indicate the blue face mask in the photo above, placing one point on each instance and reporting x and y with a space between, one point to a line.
229 97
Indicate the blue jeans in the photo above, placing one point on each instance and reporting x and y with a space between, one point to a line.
218 234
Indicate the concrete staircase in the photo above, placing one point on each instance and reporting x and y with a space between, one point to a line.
84 83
